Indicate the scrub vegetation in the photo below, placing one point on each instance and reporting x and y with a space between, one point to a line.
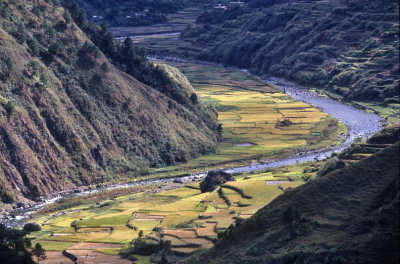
78 108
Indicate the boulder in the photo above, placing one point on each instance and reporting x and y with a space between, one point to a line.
32 227
178 181
21 205
215 178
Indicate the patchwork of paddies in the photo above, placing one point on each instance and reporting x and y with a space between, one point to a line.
188 218
257 119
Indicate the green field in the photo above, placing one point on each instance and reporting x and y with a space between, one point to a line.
176 23
258 120
189 218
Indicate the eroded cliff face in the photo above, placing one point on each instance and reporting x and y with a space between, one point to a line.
69 117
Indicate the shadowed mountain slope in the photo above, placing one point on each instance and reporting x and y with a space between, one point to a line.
349 47
350 215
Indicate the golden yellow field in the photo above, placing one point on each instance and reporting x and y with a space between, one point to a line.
189 218
257 119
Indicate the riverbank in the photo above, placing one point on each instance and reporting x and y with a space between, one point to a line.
361 127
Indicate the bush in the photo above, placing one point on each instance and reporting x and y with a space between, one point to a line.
10 108
104 67
33 47
20 34
10 65
56 48
331 165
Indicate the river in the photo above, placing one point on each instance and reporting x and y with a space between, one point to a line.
360 124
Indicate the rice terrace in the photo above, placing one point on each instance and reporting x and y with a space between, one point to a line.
259 122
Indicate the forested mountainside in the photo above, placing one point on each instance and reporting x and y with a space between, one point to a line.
346 216
72 114
130 12
350 47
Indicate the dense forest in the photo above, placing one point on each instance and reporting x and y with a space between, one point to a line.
79 108
347 47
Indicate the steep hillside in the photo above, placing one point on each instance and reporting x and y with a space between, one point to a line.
69 117
348 47
350 215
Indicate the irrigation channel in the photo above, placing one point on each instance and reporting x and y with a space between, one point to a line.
360 124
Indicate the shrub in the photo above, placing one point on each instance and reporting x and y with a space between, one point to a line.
33 47
331 165
56 48
10 65
61 26
20 34
104 67
10 108
194 98
67 16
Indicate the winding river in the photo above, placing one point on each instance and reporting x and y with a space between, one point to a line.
360 124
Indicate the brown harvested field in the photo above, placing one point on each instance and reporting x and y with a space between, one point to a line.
181 233
93 246
196 241
245 216
175 241
184 250
93 257
56 257
207 229
147 216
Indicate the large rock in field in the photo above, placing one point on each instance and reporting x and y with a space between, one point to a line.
32 227
214 178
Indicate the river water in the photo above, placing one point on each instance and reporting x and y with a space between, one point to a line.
360 124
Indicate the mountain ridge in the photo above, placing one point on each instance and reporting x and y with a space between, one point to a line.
349 48
69 117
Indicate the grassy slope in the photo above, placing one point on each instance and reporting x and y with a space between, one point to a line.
350 215
351 48
63 124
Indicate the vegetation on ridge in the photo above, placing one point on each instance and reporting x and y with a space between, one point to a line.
71 117
348 47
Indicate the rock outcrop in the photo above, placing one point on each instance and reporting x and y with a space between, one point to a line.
214 178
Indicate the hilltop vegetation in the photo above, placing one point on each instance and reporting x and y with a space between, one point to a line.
347 47
72 112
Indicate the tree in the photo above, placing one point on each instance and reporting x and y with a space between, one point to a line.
220 130
14 246
10 108
33 47
56 48
39 252
194 98
67 16
104 67
127 51
20 34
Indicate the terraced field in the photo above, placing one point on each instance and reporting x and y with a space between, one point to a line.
188 218
257 119
176 23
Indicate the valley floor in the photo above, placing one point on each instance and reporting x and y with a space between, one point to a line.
253 116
